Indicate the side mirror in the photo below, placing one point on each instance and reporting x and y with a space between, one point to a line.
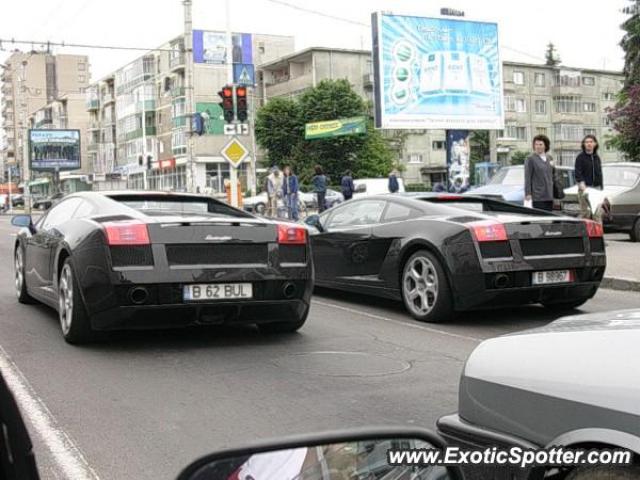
343 455
314 221
21 221
362 188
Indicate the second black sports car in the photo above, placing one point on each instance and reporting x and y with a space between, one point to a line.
442 253
131 260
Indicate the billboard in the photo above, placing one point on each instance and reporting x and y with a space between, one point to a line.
458 160
54 150
212 117
436 73
211 47
335 128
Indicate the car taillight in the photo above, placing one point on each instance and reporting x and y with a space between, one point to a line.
126 233
488 231
594 229
292 235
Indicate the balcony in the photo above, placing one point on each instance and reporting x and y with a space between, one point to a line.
107 99
178 92
92 146
176 62
93 125
367 80
150 132
180 121
93 104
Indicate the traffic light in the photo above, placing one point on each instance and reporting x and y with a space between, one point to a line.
241 103
227 102
149 162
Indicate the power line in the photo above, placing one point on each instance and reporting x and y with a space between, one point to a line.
79 45
319 13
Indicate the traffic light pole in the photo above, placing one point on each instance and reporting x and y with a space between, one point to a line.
233 171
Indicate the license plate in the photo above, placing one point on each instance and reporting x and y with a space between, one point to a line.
217 291
553 276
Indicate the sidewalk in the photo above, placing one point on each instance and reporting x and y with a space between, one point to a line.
623 263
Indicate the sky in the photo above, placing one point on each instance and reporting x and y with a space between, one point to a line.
586 34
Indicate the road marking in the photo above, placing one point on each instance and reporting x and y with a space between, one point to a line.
67 456
398 322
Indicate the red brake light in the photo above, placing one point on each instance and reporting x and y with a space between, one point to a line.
488 231
126 232
594 229
291 234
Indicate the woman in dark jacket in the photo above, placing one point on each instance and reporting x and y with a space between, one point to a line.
588 165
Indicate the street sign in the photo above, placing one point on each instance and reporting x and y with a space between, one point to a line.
234 152
244 74
236 129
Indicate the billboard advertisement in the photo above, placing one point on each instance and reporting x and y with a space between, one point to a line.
436 73
458 160
54 150
212 117
335 128
211 47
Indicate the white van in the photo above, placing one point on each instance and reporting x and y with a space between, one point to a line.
374 186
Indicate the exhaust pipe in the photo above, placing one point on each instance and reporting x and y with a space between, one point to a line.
289 290
502 281
138 295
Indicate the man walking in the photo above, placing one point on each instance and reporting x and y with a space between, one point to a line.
394 186
538 175
319 182
274 190
346 185
588 168
290 192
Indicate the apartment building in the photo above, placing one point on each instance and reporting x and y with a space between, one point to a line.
29 81
140 133
563 103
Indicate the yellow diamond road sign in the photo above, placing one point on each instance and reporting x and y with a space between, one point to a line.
234 152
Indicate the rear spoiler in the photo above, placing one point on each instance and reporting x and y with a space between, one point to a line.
489 204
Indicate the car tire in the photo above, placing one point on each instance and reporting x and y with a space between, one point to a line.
634 235
605 473
425 288
260 208
20 278
565 304
283 327
72 313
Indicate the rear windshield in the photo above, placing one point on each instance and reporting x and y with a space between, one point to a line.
620 176
158 205
447 207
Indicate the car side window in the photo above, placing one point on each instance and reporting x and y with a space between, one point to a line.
366 212
60 213
397 212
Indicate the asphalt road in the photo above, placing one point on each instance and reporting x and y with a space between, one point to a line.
143 405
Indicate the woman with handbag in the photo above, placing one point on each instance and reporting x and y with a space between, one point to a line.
539 175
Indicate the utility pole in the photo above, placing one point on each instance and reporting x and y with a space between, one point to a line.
189 91
233 171
26 168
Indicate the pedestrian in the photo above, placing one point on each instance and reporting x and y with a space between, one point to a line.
290 190
346 185
538 175
319 182
394 186
588 168
274 191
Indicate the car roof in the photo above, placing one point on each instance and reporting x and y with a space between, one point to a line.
621 164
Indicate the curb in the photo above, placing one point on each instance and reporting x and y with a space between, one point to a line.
623 284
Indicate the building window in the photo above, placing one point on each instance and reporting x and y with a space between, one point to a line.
567 157
438 145
513 104
589 107
518 78
567 79
539 79
606 121
541 106
514 132
541 131
589 131
567 104
82 67
415 158
608 96
588 81
521 105
567 133
81 78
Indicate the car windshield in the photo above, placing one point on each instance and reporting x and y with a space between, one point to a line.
179 206
620 176
508 176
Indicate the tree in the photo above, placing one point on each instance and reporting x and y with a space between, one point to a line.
518 157
279 128
625 116
551 56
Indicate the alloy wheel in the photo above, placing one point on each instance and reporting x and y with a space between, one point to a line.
65 298
420 286
19 271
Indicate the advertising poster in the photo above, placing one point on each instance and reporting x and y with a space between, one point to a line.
211 47
212 117
54 150
335 128
458 160
436 73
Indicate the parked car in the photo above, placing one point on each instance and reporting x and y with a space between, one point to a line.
572 383
374 186
508 184
17 200
332 198
126 260
258 204
620 198
44 203
446 253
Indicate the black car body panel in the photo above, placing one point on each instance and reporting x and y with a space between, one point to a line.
183 249
369 258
